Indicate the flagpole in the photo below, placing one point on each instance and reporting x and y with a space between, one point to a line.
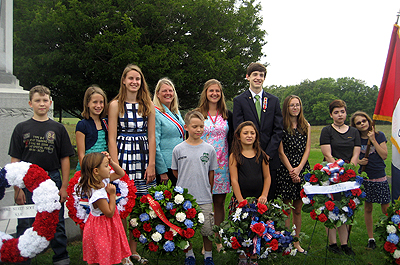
398 15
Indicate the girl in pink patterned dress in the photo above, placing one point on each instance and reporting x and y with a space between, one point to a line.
218 131
104 240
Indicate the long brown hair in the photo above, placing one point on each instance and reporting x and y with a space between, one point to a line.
302 124
143 94
237 145
203 103
88 180
88 95
363 114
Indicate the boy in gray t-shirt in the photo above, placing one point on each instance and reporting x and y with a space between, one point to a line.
193 164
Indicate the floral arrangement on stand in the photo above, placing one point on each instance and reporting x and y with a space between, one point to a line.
257 228
165 219
46 199
78 205
388 231
327 179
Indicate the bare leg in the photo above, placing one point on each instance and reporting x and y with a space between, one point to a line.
219 212
287 222
297 204
368 207
331 235
384 208
343 232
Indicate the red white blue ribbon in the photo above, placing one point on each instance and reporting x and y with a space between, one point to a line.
174 121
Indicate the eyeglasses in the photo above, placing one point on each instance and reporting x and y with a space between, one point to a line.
294 105
362 121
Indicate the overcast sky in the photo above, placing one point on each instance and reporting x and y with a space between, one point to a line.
313 39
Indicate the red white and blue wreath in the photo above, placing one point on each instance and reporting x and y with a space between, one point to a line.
46 199
78 205
325 180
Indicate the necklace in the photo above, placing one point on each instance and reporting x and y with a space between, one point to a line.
338 126
215 120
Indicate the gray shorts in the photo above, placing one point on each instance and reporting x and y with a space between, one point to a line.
207 210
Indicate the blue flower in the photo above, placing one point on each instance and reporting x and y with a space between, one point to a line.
350 212
142 239
169 206
169 246
336 210
348 193
310 196
393 238
158 195
363 195
359 180
285 240
144 217
396 219
276 235
178 189
307 177
187 205
188 223
160 229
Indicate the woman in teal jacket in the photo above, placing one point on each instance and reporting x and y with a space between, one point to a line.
169 128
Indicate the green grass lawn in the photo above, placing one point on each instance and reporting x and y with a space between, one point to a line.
315 236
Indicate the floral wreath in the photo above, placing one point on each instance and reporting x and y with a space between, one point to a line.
388 230
166 218
46 199
78 206
256 228
326 179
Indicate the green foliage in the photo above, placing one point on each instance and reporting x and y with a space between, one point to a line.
316 96
68 45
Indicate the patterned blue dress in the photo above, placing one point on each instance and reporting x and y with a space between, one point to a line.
133 147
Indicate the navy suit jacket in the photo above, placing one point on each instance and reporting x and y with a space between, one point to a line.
270 126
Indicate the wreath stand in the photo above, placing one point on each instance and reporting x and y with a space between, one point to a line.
348 258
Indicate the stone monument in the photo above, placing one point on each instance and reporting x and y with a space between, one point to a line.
14 106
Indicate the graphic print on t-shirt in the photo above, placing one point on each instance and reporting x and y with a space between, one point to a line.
204 158
41 144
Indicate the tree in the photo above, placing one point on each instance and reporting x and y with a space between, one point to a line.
68 45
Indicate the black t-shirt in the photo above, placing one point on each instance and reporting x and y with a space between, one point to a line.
250 177
42 143
342 144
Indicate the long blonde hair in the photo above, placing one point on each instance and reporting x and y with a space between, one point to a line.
174 102
302 124
143 94
203 103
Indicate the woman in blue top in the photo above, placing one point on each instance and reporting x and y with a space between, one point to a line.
376 186
169 128
91 132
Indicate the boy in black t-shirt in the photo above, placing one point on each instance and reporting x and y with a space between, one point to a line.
46 143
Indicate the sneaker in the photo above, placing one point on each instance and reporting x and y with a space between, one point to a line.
335 249
371 244
347 250
209 261
190 261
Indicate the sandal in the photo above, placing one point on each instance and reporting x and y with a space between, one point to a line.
126 261
137 258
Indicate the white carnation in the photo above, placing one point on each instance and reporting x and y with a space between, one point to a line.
244 216
179 199
156 237
133 222
396 254
152 214
343 218
180 217
306 200
333 216
326 183
321 208
391 229
221 232
201 218
356 201
173 231
238 210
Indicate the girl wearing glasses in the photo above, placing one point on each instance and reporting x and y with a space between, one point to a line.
376 186
293 153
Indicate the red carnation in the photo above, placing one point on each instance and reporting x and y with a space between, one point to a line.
136 233
318 167
262 208
286 213
273 244
352 204
351 173
45 224
34 176
147 227
313 179
242 204
172 211
398 212
169 235
235 243
167 194
9 251
356 192
258 228
143 199
302 193
312 202
389 247
191 213
188 233
398 261
322 218
153 247
345 177
330 205
313 215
